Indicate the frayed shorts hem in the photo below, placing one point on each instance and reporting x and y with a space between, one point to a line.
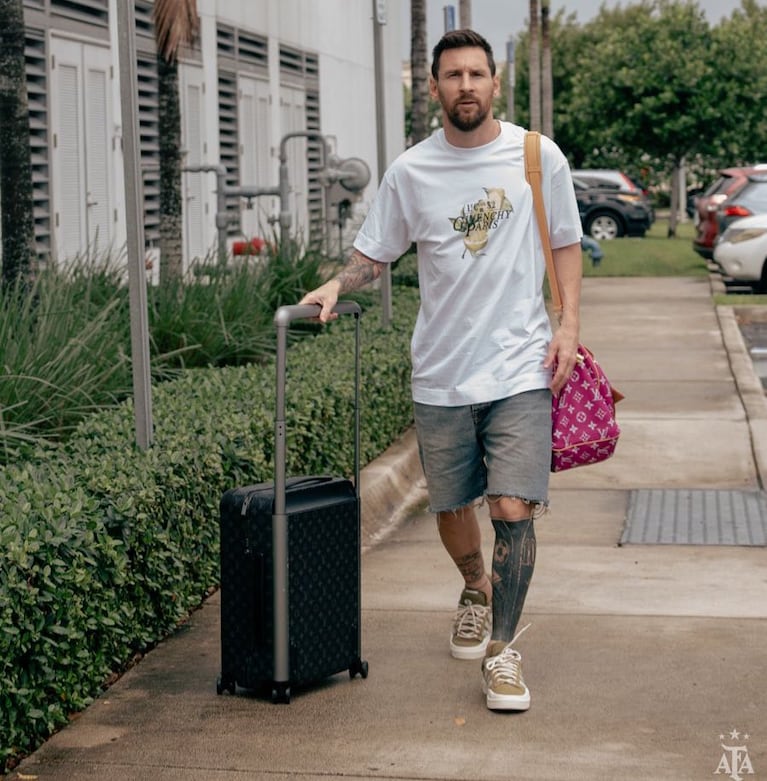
540 506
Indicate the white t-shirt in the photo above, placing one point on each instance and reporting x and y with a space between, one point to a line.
482 331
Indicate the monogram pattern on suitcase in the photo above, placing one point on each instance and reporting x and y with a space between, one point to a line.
323 590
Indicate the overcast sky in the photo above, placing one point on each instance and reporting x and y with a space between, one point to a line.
498 20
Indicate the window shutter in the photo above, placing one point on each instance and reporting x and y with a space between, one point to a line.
37 94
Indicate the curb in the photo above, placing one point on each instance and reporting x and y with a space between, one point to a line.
748 384
391 486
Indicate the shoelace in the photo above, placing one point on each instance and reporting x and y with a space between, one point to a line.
470 619
505 667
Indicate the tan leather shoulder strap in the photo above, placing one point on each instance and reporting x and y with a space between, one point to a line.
534 174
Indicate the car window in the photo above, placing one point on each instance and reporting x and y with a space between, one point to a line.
719 185
602 179
753 196
605 183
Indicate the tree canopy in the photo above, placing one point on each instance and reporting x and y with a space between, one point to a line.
646 86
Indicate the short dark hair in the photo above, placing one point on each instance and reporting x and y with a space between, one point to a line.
458 39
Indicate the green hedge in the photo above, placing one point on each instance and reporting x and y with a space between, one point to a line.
105 548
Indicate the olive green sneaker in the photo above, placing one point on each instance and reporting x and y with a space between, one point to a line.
502 681
472 625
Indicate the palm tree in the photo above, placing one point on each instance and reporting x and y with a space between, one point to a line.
176 23
16 204
418 68
547 88
535 69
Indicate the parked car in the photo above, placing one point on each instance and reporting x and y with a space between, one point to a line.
607 212
727 182
612 177
741 252
599 176
749 199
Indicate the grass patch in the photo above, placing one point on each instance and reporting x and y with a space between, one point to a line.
654 255
739 299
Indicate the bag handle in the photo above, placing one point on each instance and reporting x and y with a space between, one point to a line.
534 174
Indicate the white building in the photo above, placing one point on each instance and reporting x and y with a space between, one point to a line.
262 69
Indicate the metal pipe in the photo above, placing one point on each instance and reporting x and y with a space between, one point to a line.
221 217
284 184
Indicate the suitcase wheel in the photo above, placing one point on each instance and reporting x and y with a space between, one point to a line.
225 685
281 693
359 667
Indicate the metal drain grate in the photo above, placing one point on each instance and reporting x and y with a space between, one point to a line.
696 517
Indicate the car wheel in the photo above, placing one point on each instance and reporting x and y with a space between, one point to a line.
761 285
604 226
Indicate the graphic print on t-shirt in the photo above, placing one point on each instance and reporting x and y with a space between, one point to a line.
477 219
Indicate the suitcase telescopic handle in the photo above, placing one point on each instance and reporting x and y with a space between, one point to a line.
284 316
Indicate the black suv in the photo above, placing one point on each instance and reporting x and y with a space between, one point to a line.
608 212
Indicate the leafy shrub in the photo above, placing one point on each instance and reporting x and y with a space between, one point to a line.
106 548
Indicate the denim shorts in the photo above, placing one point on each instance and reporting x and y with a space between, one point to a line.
498 448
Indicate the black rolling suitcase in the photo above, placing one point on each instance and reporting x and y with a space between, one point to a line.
290 563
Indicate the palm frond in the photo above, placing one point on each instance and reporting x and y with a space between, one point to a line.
176 23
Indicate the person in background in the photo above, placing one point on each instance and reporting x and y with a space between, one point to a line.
484 359
592 247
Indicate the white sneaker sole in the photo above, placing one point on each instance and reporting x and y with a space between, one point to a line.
469 651
506 701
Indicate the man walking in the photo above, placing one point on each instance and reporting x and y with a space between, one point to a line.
485 361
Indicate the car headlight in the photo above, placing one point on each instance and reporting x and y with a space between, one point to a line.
629 198
736 235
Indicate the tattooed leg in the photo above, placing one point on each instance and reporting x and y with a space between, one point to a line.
460 534
513 565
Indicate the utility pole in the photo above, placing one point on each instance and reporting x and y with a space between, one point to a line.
139 319
464 14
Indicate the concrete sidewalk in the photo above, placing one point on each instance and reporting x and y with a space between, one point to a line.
645 661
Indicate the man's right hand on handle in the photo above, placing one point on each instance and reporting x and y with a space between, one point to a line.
326 296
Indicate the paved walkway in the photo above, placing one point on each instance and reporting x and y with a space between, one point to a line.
644 661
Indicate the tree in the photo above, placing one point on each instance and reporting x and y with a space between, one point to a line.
534 68
547 96
176 24
652 89
16 203
649 85
739 87
419 72
570 43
